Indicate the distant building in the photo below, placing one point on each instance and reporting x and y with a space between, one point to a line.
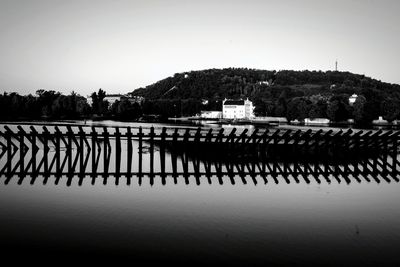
268 83
380 121
204 101
112 98
237 109
211 114
352 99
134 99
316 121
89 100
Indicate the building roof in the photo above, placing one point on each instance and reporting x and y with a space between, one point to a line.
114 95
234 102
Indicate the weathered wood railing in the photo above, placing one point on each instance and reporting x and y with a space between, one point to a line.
77 151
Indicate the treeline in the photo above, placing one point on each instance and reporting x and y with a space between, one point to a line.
291 94
337 108
334 105
43 105
52 105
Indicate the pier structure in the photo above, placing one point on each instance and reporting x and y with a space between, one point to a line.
93 152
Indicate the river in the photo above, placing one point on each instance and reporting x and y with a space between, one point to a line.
242 224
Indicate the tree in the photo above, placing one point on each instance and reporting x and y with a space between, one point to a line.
190 107
95 103
338 108
318 107
359 110
391 109
372 106
281 105
82 107
99 105
298 108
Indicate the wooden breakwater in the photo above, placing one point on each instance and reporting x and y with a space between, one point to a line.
136 152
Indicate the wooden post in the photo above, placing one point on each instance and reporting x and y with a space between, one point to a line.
21 153
117 153
316 157
376 146
335 141
230 156
69 153
385 154
9 153
240 144
140 152
263 153
285 158
106 154
218 164
174 157
365 150
185 163
274 153
356 153
151 152
3 152
94 163
345 146
57 152
307 151
296 139
81 152
88 148
162 153
196 160
78 149
255 157
34 151
207 162
129 151
394 155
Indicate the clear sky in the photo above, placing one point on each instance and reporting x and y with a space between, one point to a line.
121 45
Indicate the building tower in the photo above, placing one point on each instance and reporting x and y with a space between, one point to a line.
336 65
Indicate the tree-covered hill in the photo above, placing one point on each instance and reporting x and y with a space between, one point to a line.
242 82
275 92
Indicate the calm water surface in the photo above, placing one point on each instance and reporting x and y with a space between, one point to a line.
208 224
278 223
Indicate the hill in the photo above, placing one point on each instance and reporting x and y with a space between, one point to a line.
242 82
279 92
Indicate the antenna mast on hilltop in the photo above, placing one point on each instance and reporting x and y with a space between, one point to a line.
336 65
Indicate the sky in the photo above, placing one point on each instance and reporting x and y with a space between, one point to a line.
121 45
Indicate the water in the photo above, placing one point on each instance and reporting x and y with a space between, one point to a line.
206 224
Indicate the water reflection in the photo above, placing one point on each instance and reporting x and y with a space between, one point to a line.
183 209
185 224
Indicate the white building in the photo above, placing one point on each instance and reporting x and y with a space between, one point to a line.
211 114
352 99
237 109
112 98
316 121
